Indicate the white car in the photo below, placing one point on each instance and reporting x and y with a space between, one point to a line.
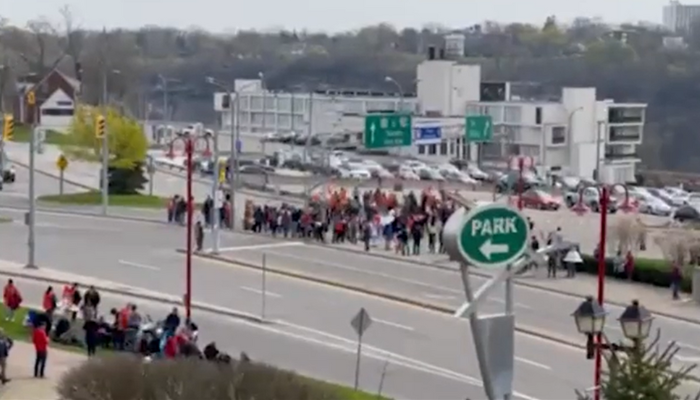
408 174
654 206
459 176
382 173
362 174
476 173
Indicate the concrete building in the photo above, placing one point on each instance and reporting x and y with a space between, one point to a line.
679 17
569 132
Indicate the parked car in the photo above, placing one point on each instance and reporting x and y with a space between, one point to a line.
427 174
361 174
511 182
256 169
591 199
381 173
407 174
653 206
459 176
537 198
686 213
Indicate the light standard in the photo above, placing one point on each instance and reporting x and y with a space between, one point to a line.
589 317
603 206
105 141
190 141
521 163
398 86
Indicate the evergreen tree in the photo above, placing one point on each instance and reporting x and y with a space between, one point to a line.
642 372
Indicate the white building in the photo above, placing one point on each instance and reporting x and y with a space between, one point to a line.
679 17
572 134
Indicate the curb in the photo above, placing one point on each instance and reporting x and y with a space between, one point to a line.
86 214
143 296
387 296
54 176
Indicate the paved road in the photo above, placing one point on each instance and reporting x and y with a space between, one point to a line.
142 255
422 342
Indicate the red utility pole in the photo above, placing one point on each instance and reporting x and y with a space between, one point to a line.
604 199
189 149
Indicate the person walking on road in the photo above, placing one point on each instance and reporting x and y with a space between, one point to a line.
199 235
12 299
41 346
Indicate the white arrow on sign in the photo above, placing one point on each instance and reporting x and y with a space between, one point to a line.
489 248
372 128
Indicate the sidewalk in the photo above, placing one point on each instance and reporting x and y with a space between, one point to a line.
20 364
656 299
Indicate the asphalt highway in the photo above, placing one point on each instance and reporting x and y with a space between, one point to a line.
437 347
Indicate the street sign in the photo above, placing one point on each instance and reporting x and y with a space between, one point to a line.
361 322
31 98
62 163
428 134
479 128
492 236
387 130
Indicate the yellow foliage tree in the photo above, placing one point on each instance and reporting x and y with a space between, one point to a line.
127 145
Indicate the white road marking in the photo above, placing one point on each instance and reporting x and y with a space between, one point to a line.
439 296
138 265
393 324
687 346
258 291
533 363
261 246
381 354
70 228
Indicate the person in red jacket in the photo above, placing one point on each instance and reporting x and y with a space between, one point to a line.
49 302
171 347
12 299
41 346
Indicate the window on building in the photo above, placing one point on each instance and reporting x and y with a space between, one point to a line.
558 135
421 149
443 148
452 147
538 115
432 149
57 112
512 114
65 103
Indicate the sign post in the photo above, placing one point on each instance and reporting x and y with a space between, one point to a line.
151 170
388 130
493 236
360 323
61 164
478 128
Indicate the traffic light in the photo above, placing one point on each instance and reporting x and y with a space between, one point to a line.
100 127
8 127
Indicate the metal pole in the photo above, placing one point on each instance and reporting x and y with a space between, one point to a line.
264 285
215 212
359 353
601 283
105 149
601 127
189 148
476 332
31 242
166 112
509 291
521 184
234 158
60 182
264 113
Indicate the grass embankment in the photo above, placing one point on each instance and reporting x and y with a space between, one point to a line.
4 220
94 198
22 134
16 330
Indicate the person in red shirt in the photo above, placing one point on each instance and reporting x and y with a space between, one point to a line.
49 303
171 346
41 346
12 299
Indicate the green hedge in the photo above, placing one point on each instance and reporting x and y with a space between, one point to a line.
646 270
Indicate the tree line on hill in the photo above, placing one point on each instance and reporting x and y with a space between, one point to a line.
627 63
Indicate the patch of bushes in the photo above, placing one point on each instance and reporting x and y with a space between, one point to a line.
646 270
128 377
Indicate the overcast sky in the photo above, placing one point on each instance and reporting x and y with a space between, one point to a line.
326 15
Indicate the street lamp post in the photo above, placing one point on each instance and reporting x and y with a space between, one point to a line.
603 206
521 163
389 79
635 323
190 141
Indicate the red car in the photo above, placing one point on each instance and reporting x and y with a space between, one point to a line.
541 200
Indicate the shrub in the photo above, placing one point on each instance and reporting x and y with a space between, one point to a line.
128 377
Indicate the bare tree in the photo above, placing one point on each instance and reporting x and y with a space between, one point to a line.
73 40
627 234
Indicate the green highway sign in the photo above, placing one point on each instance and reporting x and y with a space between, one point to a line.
493 236
479 128
388 130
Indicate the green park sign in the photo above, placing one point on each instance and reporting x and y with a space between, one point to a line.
478 128
492 236
388 130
